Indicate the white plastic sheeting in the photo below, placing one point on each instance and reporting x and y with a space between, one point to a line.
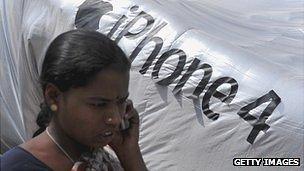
212 80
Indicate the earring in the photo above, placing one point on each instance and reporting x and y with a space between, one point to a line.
54 108
109 119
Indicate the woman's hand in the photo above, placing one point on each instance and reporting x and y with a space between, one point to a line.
125 142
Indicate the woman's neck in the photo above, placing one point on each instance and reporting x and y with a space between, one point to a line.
66 144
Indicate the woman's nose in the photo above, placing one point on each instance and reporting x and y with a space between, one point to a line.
113 120
114 117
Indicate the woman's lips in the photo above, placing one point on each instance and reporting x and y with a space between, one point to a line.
107 133
106 136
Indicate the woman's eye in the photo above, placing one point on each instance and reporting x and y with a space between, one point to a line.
98 104
122 101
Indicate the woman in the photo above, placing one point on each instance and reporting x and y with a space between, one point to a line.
84 79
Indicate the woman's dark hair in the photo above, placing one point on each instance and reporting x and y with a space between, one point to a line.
73 59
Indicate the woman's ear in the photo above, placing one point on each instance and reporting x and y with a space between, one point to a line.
52 94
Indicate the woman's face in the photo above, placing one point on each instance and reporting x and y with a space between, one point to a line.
84 112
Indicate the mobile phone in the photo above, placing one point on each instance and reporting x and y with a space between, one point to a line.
124 125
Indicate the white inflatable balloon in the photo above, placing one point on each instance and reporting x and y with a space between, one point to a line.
212 81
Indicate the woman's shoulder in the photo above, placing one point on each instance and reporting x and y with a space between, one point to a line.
18 158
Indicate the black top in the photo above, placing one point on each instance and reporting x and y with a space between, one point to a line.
17 159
